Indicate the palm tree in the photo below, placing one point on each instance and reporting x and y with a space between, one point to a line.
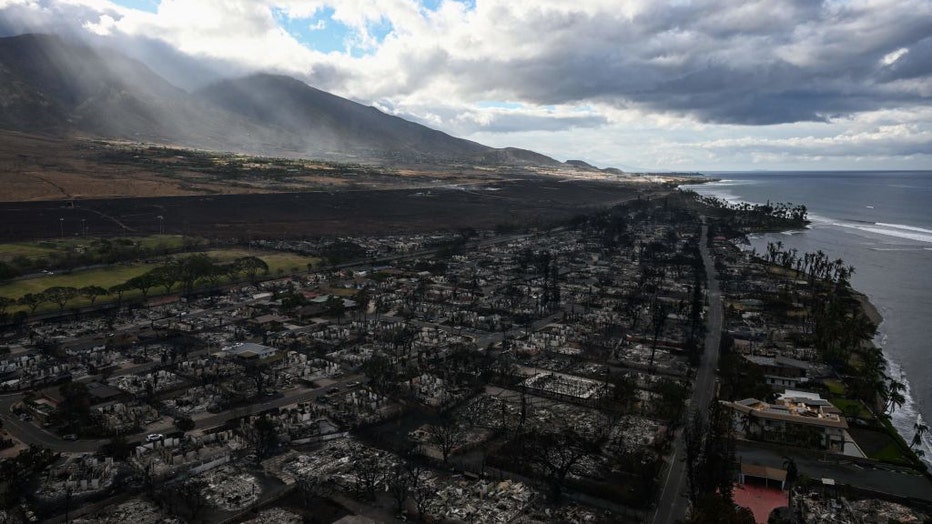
921 429
895 397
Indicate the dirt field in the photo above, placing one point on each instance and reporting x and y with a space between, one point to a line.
50 187
519 203
34 167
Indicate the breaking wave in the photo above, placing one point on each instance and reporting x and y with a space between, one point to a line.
901 231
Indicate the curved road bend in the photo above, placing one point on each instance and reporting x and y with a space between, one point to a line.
673 498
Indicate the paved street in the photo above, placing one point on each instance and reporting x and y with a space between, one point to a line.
673 499
862 474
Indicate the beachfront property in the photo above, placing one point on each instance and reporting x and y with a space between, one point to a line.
798 418
781 371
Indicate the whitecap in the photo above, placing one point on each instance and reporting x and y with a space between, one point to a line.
891 230
908 414
905 227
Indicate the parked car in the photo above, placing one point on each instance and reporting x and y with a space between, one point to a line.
154 437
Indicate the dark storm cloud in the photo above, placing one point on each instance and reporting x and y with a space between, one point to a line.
761 62
752 62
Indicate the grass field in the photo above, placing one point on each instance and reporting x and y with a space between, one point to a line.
851 407
31 250
279 264
62 247
835 387
103 277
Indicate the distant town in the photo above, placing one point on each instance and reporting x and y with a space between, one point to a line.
631 364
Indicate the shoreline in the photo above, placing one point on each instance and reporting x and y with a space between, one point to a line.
868 307
898 426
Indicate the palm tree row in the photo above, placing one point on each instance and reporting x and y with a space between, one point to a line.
744 214
817 266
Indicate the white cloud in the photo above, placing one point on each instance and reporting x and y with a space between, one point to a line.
764 73
891 58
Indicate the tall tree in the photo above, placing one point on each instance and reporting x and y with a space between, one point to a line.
554 455
92 293
446 434
60 295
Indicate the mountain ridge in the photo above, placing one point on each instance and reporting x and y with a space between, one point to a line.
52 86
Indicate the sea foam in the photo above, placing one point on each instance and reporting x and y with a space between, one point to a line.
905 232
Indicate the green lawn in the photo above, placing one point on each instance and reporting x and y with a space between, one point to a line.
891 453
10 251
835 387
847 406
160 242
64 246
279 264
103 277
286 262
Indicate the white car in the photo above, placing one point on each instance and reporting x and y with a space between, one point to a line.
154 437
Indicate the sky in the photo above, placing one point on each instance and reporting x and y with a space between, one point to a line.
678 85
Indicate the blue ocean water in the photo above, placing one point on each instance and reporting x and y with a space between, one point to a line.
881 223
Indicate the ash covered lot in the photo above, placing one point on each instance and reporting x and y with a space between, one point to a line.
519 202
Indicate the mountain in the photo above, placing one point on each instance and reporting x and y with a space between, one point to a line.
54 86
581 164
49 85
317 120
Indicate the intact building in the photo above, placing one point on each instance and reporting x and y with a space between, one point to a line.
797 418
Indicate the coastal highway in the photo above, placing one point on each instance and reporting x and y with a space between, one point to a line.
673 498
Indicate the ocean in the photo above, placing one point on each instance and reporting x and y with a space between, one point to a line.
881 223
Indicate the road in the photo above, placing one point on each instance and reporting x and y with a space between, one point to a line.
673 498
864 474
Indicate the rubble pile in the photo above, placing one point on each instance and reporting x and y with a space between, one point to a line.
567 512
173 455
209 367
551 362
118 417
297 366
161 380
361 406
589 369
78 476
480 501
31 370
568 385
630 433
814 508
638 356
322 462
432 390
230 489
275 516
552 414
136 511
199 399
